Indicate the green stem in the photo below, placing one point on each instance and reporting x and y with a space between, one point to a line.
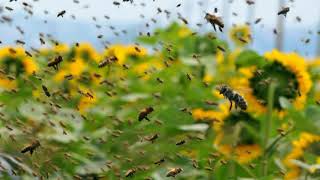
268 126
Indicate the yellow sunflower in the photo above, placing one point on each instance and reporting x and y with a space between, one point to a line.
224 123
306 144
225 64
85 51
122 52
290 73
15 59
240 35
86 102
75 68
149 65
243 145
184 32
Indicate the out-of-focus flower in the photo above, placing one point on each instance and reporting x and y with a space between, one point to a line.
145 67
240 35
307 143
16 59
7 84
122 52
245 144
184 32
216 116
86 101
85 51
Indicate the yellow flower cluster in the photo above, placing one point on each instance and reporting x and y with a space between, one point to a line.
123 52
299 146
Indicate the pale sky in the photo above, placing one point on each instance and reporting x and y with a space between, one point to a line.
129 14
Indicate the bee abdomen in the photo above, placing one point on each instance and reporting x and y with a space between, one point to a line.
240 101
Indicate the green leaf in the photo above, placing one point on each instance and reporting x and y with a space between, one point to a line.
249 58
284 102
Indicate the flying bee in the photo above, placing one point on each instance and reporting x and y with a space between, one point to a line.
46 91
284 11
107 61
211 103
221 48
152 138
61 13
54 63
130 172
144 113
249 2
174 172
33 146
180 142
231 95
160 161
215 20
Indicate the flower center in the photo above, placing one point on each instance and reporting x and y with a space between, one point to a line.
287 84
248 126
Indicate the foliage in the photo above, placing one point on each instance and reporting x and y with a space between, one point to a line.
89 126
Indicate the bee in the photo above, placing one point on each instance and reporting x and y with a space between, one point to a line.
174 172
160 161
231 95
144 113
184 20
61 13
189 77
107 61
221 48
46 91
180 142
28 53
33 146
211 103
116 3
54 63
130 172
257 20
298 19
152 138
160 80
9 8
214 20
249 2
195 164
284 11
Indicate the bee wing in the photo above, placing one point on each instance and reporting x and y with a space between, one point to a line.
243 90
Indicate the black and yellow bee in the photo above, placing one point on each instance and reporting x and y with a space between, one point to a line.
144 113
54 63
233 96
34 145
174 172
215 20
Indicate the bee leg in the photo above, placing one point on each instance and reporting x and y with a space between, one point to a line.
230 106
147 118
220 29
236 105
214 27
